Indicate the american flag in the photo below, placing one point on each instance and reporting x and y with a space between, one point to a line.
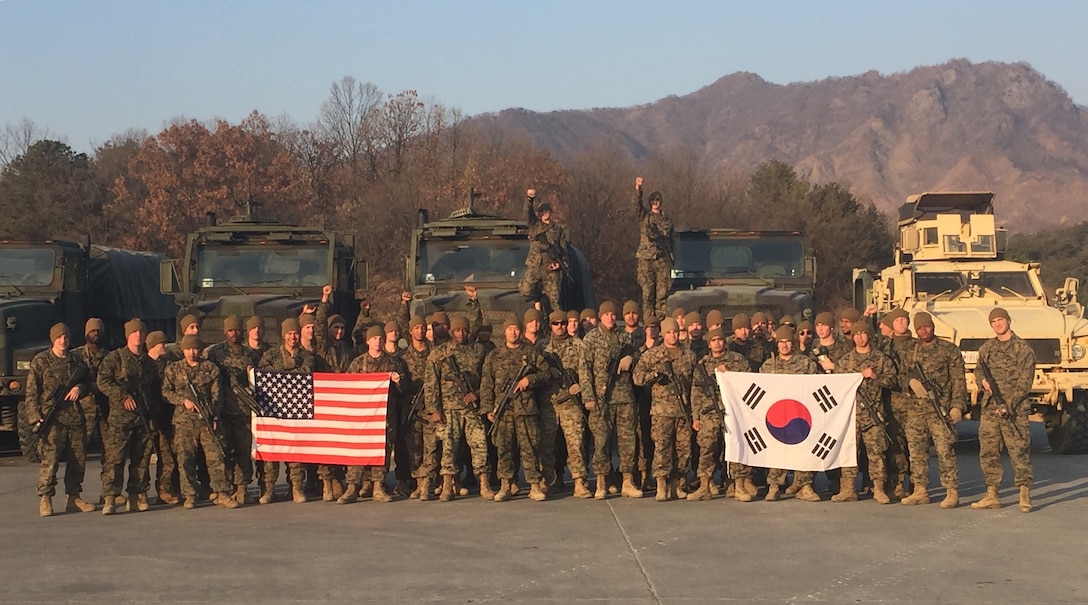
321 418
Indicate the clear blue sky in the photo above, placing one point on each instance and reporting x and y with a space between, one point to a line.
87 70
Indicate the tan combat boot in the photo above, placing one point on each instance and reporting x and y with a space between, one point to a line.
629 490
45 506
485 487
772 493
402 489
740 494
337 489
239 495
716 490
602 488
1025 499
750 487
990 500
463 491
808 494
326 490
703 493
297 493
167 498
951 499
226 501
447 489
879 495
190 502
662 490
142 504
380 495
419 488
920 495
536 494
847 493
350 495
679 488
424 486
730 489
793 488
268 494
108 506
581 488
504 491
78 505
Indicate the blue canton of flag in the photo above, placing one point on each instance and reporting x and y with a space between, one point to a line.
287 395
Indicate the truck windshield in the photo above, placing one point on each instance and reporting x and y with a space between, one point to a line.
491 260
1005 284
246 266
765 257
26 266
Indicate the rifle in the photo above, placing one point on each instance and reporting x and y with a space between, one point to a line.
613 370
1003 410
932 393
567 379
872 410
507 397
555 253
414 409
139 399
461 382
707 384
79 374
677 388
247 399
204 410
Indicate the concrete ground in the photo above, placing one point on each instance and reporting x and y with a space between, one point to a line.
561 551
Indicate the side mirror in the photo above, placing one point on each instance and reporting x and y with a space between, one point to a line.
168 277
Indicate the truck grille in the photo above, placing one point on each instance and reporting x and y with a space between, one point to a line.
1047 350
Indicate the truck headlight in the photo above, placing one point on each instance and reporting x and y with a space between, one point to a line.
1078 351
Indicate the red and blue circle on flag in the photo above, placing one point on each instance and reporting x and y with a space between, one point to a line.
789 421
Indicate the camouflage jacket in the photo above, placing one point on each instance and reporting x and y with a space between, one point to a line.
943 364
337 353
123 372
705 392
895 351
499 369
48 373
637 339
871 388
92 358
841 346
204 376
601 345
655 232
442 389
796 364
699 347
280 360
569 353
664 401
234 364
543 236
415 362
756 352
164 412
1012 364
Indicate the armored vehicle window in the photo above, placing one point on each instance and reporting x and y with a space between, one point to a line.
952 243
712 258
935 284
929 235
234 267
492 260
26 266
985 244
1010 284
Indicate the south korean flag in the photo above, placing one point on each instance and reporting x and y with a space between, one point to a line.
799 422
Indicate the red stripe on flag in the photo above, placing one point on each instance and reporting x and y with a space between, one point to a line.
322 459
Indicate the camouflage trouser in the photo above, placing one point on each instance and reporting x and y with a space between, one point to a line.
92 417
620 420
542 281
426 449
189 435
67 443
709 437
875 446
238 437
355 475
296 473
167 473
672 445
739 471
777 476
126 443
571 420
899 456
993 432
467 426
923 423
525 432
655 278
642 431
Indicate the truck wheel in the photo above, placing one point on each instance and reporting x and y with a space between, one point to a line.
24 436
1067 430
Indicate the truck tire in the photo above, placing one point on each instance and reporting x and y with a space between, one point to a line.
1067 430
30 454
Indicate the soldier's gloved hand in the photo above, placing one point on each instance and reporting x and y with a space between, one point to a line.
626 362
575 389
917 388
661 378
955 414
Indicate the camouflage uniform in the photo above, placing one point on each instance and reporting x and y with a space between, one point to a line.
167 472
868 431
704 409
520 423
755 351
654 257
234 421
796 364
900 405
93 402
568 410
421 435
365 364
671 429
442 395
126 439
337 353
66 436
943 364
1012 364
190 430
618 413
280 360
543 236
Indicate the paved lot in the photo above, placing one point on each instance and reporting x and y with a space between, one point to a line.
561 551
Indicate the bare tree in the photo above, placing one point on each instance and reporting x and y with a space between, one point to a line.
16 138
347 119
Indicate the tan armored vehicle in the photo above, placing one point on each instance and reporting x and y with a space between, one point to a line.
950 262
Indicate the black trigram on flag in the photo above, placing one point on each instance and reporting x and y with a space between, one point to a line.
753 395
826 400
823 446
755 440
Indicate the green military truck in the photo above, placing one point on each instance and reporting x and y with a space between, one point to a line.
45 282
950 262
252 266
485 251
737 271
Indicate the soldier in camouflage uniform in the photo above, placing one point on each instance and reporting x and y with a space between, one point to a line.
451 396
422 436
943 365
1011 362
65 438
788 361
190 423
375 359
755 351
878 373
549 253
633 330
234 361
91 353
651 337
827 341
671 429
706 412
124 372
520 422
607 347
899 342
562 397
167 472
655 252
288 357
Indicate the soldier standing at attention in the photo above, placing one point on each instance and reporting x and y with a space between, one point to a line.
234 361
549 253
91 353
1011 361
707 418
655 252
190 426
422 438
65 438
943 365
566 403
900 342
167 473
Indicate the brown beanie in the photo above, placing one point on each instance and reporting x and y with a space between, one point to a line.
440 317
588 314
787 320
187 321
784 333
669 325
94 324
415 321
825 317
133 325
391 326
335 319
715 333
741 320
999 312
532 315
253 322
630 307
459 322
232 322
923 320
57 331
678 312
306 320
191 341
804 325
572 315
607 307
289 325
511 320
693 318
861 326
555 316
714 317
850 314
373 331
154 339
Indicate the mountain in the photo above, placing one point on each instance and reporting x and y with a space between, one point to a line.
959 126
